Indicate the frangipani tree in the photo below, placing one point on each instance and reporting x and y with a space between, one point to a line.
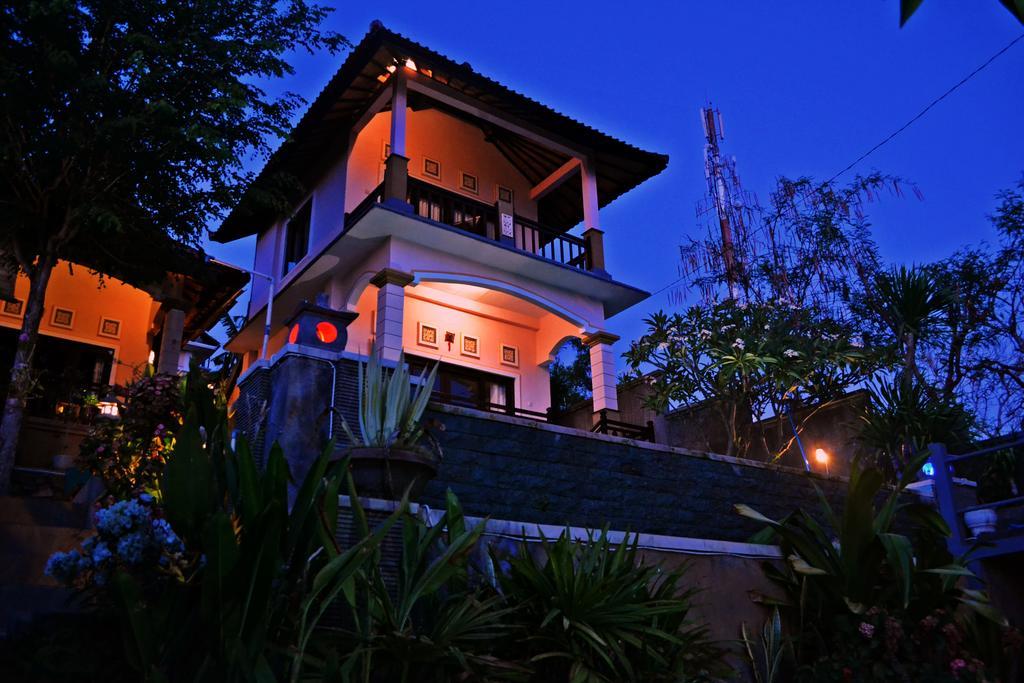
748 360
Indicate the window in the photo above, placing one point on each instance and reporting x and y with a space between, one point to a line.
461 386
297 236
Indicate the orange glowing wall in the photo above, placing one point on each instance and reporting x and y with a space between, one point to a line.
458 146
79 290
535 337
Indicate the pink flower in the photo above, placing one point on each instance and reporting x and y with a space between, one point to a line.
956 665
866 629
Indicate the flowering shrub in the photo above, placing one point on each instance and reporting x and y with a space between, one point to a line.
890 646
131 535
130 454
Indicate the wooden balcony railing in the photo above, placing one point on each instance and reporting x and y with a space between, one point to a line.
480 404
606 425
475 217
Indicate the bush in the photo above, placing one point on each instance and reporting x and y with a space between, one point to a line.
222 577
588 611
129 454
877 590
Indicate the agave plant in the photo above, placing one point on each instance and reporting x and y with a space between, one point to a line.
390 411
766 656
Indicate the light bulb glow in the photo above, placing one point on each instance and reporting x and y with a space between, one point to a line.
821 455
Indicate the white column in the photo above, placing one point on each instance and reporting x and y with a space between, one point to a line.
399 100
590 203
602 370
390 285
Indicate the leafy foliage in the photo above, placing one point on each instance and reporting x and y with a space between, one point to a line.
128 123
748 359
590 612
129 454
766 655
570 380
223 577
390 411
908 7
874 578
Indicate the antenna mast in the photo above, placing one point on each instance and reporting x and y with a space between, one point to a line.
725 197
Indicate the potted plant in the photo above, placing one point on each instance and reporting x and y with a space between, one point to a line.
995 484
387 459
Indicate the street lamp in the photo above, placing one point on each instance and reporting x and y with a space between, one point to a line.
270 297
821 455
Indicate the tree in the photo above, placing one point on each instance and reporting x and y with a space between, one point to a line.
956 325
570 380
908 7
782 332
128 122
748 360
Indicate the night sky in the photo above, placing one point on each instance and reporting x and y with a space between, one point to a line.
804 88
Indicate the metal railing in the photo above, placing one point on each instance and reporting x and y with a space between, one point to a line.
944 465
607 425
465 213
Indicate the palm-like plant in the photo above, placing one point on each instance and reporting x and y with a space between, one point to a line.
868 563
590 612
909 300
390 411
428 624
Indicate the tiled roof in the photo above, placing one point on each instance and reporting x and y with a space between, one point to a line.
315 142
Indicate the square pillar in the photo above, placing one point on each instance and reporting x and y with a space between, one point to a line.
171 339
396 168
391 286
590 202
602 370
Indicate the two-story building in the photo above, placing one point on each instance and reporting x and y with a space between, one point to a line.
459 219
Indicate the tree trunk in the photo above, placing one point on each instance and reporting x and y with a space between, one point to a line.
21 372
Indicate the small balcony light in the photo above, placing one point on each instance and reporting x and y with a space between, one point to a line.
392 68
409 64
108 407
821 455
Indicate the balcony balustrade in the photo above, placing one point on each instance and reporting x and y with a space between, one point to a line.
475 217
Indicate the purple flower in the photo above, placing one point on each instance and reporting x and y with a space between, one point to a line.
23 337
866 629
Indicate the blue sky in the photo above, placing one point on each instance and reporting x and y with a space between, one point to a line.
804 88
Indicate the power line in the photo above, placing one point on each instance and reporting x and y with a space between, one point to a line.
902 128
924 111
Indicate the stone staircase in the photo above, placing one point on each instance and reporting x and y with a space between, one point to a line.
31 529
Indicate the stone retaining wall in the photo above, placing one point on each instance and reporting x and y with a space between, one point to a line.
512 468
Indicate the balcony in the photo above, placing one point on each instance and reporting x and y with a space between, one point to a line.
477 218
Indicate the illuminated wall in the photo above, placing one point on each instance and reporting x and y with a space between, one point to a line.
456 145
79 292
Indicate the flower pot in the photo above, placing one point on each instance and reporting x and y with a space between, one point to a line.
389 472
981 521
